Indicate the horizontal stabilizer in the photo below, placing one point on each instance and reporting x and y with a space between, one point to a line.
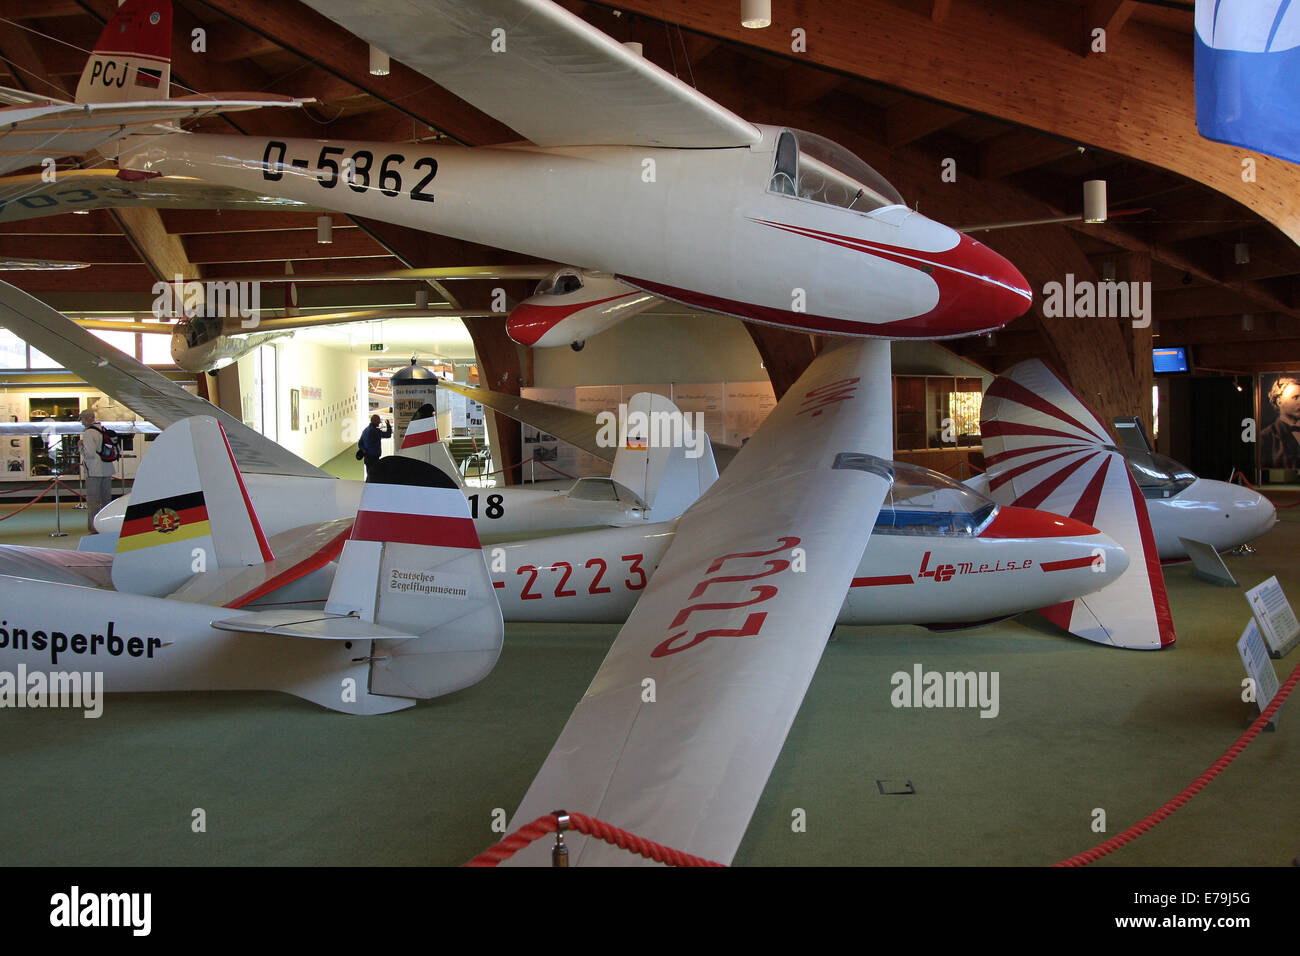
316 625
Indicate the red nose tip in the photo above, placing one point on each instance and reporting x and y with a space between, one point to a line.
993 288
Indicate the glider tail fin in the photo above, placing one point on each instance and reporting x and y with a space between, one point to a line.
189 512
1046 449
422 443
666 461
414 565
132 59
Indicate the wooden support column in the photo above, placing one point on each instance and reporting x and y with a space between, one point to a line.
1136 267
785 354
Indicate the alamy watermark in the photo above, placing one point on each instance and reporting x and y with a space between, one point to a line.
1108 298
213 299
81 690
922 688
640 431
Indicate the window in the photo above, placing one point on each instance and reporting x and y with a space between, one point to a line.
814 168
13 350
156 349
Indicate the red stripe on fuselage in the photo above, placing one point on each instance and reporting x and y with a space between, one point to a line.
883 579
1066 565
303 568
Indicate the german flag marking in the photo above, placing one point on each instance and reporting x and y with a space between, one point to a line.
164 520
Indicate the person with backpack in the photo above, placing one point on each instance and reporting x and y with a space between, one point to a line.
368 446
99 450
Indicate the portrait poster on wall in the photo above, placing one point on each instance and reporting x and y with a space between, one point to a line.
1279 420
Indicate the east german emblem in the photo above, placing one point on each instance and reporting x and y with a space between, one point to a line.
165 520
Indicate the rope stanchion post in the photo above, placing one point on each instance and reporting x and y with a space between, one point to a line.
560 852
58 531
588 826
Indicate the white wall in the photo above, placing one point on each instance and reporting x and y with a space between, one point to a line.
329 425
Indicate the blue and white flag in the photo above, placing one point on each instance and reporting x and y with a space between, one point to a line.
1248 74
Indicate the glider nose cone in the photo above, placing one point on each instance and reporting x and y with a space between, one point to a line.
988 292
1259 512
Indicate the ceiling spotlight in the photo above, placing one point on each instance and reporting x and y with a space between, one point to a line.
421 298
324 230
1108 272
1237 382
755 14
635 47
1241 254
379 64
1248 322
1094 200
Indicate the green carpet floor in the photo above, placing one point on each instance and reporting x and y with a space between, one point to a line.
1081 727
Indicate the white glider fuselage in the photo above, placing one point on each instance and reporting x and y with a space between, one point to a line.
286 502
1021 561
1217 513
705 227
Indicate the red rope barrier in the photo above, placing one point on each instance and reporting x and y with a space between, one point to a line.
18 491
593 828
30 503
1142 826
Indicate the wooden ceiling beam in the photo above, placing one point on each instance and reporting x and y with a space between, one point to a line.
1107 15
318 40
1018 150
1282 355
914 119
130 277
279 246
162 252
964 61
272 270
200 221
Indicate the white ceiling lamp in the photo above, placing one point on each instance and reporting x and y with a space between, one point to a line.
1241 254
1248 322
755 14
421 298
1094 200
634 47
379 64
324 230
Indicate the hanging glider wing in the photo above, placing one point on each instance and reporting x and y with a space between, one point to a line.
1046 449
730 628
137 386
542 71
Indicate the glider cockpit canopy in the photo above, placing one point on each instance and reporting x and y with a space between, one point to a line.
921 501
815 168
1156 475
199 329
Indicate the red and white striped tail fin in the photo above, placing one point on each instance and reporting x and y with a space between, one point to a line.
1046 449
189 513
132 59
414 565
422 443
